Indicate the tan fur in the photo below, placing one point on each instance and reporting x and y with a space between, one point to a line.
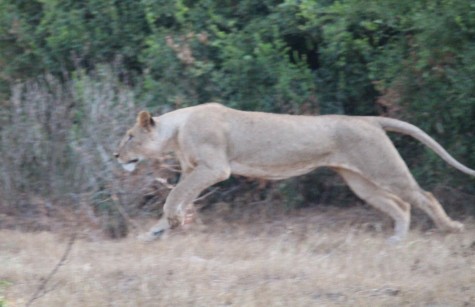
212 142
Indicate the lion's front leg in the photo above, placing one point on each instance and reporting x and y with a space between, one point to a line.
187 190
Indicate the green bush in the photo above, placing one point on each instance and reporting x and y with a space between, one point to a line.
413 60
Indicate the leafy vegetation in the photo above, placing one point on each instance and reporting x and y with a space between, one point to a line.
413 60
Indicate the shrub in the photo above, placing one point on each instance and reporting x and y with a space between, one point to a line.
407 59
58 139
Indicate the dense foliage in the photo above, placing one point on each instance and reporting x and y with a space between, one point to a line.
413 60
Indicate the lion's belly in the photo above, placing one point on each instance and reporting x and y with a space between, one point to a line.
272 172
277 158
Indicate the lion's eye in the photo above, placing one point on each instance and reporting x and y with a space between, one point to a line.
130 137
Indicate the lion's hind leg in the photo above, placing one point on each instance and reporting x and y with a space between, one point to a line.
429 204
381 199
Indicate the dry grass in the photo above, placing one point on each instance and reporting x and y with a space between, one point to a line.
312 258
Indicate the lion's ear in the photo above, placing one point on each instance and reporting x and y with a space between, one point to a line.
145 120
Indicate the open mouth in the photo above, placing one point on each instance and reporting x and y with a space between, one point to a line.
130 165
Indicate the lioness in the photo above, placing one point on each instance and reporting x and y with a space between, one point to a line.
212 142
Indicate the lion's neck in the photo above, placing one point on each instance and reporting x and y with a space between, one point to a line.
169 126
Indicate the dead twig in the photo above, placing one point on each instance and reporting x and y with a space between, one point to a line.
174 168
164 182
207 194
41 290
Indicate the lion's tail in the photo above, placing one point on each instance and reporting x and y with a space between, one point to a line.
390 124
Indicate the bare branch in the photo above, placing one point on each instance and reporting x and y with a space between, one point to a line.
41 290
207 194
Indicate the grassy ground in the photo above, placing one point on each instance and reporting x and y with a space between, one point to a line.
329 257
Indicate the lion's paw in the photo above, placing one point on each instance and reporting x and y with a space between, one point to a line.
151 235
455 226
394 240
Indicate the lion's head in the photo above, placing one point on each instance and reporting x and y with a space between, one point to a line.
138 143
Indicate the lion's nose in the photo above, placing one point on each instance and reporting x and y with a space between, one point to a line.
116 155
